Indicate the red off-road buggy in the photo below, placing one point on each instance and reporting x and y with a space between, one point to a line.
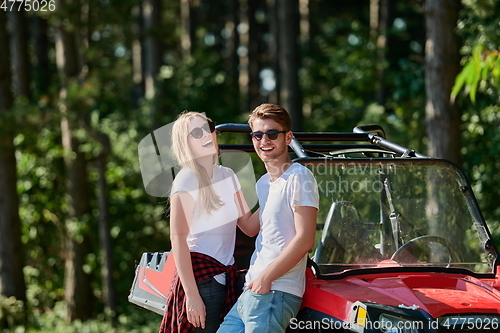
401 245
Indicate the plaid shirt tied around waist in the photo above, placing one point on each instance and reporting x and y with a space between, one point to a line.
204 267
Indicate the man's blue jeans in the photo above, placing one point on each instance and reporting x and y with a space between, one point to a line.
260 313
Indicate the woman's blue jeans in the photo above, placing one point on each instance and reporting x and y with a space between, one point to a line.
213 295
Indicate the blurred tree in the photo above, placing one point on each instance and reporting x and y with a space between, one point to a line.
12 261
42 66
109 295
231 41
137 53
188 26
441 68
305 21
380 20
77 290
153 48
248 52
20 54
289 60
273 50
254 64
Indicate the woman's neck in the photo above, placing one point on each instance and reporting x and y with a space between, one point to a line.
207 163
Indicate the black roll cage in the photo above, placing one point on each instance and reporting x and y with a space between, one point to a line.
373 135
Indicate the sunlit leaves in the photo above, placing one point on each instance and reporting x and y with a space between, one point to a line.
477 92
483 67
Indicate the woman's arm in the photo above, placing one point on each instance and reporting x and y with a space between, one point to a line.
181 210
247 222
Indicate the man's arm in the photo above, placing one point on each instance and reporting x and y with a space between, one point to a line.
305 226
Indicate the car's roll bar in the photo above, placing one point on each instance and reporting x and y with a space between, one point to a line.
301 144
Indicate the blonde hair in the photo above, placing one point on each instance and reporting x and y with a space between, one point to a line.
209 200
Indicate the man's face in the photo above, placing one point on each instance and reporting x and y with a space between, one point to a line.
267 149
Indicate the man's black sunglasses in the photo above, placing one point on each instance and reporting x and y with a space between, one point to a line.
272 135
197 132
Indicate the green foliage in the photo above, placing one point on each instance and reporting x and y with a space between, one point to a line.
336 76
199 83
54 321
480 80
484 68
12 312
340 76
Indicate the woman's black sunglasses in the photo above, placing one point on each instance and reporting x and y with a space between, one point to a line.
272 135
197 132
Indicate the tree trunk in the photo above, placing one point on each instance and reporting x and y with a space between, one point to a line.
305 22
77 289
243 78
380 18
289 60
187 31
274 96
20 54
42 74
104 232
11 250
441 68
137 54
152 45
314 25
231 61
254 97
152 48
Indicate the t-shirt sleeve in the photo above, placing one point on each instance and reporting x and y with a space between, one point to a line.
304 189
186 181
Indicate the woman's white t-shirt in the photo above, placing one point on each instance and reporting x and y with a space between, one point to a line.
212 234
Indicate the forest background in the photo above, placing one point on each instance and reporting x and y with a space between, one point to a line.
83 81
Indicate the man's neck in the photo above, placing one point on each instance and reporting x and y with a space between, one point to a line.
277 167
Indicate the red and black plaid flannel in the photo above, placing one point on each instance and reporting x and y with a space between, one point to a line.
204 267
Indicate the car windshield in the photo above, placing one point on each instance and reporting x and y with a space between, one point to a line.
397 213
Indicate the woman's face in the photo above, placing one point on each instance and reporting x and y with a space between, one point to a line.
201 141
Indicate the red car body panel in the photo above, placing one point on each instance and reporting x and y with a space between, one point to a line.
436 293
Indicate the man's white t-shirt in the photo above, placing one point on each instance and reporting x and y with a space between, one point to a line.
277 200
212 234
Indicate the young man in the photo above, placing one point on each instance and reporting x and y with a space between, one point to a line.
288 199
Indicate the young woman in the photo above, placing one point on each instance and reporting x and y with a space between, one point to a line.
206 205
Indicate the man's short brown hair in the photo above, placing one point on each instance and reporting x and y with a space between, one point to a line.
274 112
